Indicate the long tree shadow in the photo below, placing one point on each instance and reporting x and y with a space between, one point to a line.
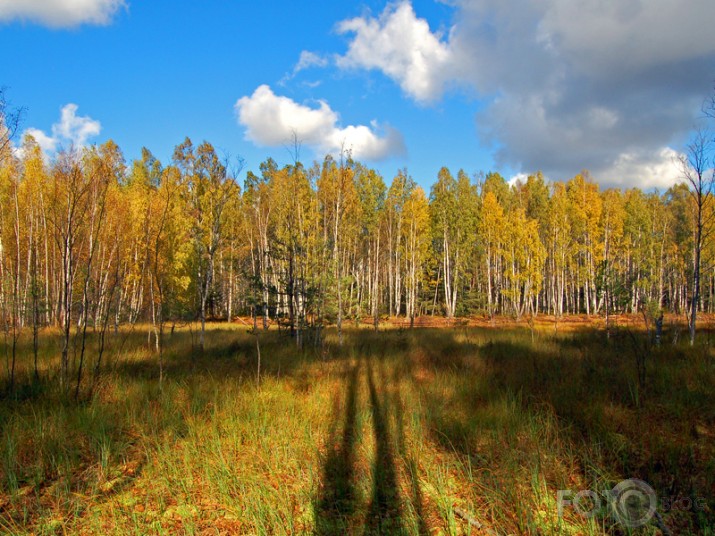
385 511
411 465
335 506
228 354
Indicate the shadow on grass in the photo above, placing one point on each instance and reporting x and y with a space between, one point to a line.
337 509
231 356
335 506
385 511
411 465
605 421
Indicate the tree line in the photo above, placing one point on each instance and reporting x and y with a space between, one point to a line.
91 242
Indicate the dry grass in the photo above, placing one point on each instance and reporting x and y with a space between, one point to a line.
430 431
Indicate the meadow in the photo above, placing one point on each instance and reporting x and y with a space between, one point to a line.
451 430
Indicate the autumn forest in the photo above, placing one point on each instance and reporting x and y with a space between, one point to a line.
89 239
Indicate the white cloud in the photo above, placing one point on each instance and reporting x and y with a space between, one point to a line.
518 178
309 59
568 84
272 120
306 60
74 128
48 144
70 130
400 45
60 13
658 169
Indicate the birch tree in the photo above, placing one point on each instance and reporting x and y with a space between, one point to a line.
696 166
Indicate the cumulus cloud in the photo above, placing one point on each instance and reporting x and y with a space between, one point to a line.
71 130
273 120
48 144
400 45
74 128
60 13
648 169
606 85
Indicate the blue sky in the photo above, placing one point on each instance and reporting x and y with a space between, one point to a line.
507 85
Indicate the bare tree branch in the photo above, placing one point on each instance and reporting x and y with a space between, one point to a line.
10 120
